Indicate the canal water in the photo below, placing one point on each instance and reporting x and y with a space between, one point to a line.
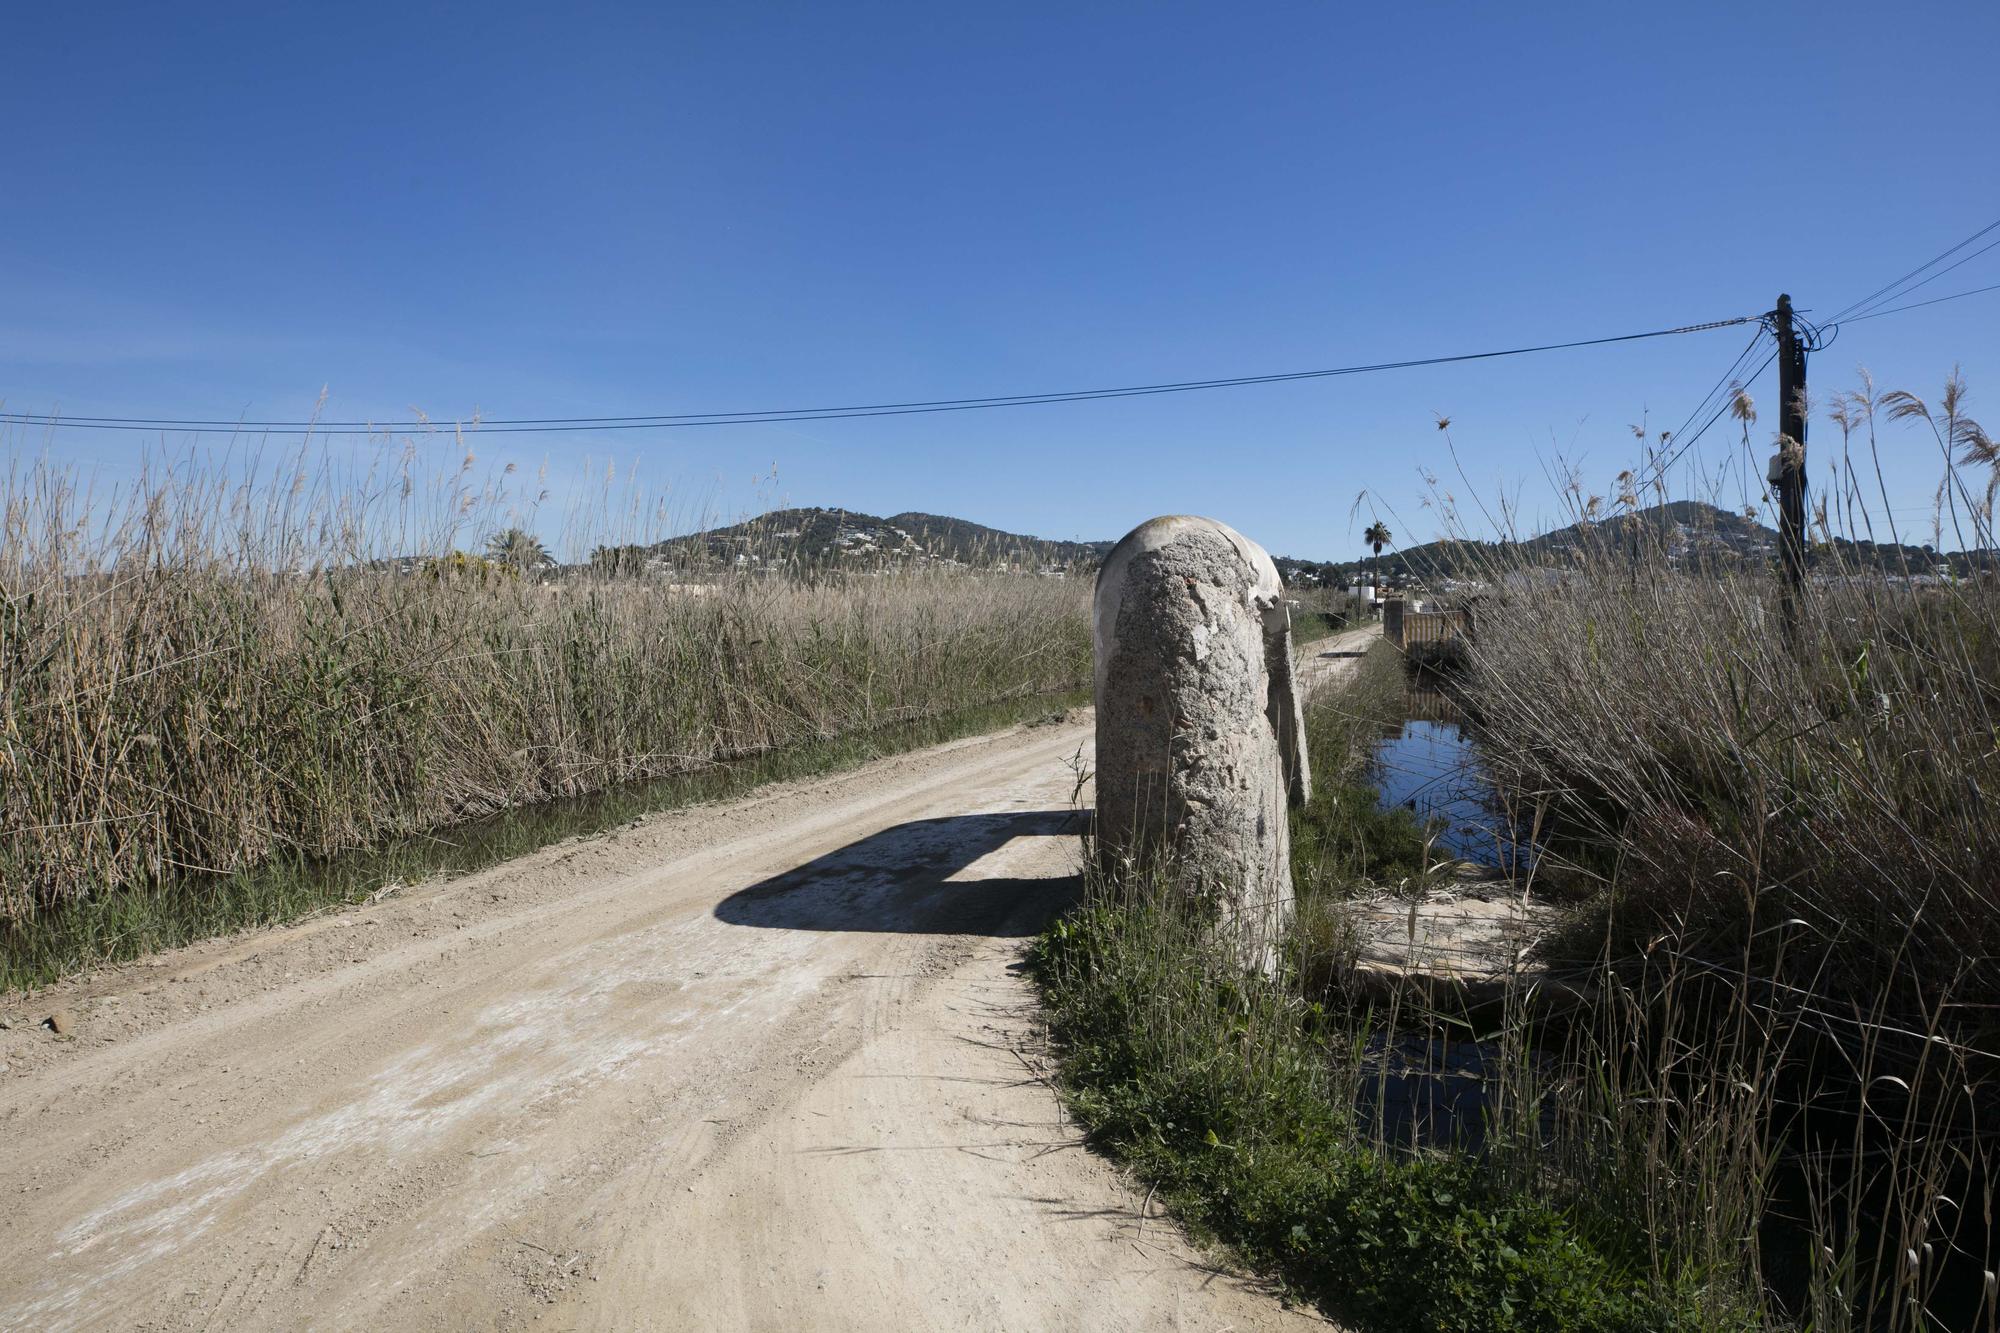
1430 765
1428 1084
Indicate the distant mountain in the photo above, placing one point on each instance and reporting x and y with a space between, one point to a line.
1695 536
825 538
1692 532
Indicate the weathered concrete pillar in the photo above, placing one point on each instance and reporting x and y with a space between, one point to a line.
1392 620
1200 740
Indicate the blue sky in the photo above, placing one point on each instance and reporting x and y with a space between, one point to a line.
536 210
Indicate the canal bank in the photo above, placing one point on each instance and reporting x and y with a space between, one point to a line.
1316 1128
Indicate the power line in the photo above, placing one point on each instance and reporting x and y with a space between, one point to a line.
1734 366
1681 447
1935 276
538 425
1819 336
1884 291
1937 300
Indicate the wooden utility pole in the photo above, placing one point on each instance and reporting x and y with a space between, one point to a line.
1788 468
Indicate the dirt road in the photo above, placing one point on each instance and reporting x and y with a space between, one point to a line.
767 1064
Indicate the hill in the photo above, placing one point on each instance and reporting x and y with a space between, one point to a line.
822 538
1695 535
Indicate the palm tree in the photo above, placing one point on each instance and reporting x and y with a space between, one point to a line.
1378 537
520 550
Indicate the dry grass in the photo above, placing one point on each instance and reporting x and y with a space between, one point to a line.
215 666
1759 1088
1734 782
1790 849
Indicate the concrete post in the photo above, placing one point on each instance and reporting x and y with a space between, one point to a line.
1392 620
1200 736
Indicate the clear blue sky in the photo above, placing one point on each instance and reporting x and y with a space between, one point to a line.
553 210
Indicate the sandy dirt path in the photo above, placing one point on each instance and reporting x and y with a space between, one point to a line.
768 1064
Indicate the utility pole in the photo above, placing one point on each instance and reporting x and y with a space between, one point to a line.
1788 467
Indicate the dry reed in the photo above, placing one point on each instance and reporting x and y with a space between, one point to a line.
230 660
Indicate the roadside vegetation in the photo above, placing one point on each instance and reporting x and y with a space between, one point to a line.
1748 1079
1242 1103
1318 612
215 680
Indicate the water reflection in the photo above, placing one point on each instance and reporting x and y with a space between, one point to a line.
1429 765
1418 1092
1421 1089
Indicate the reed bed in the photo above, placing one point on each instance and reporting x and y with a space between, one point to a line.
1249 1104
1778 810
1731 785
1751 1080
232 660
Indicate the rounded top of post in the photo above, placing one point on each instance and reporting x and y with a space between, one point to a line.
1263 590
1157 532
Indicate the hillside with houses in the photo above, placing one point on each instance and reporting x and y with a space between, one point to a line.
827 539
1687 535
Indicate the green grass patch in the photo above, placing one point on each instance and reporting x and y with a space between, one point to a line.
1220 1094
1310 625
1343 837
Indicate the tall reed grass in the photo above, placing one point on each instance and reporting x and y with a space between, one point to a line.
1253 1105
232 659
1789 842
1753 1077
